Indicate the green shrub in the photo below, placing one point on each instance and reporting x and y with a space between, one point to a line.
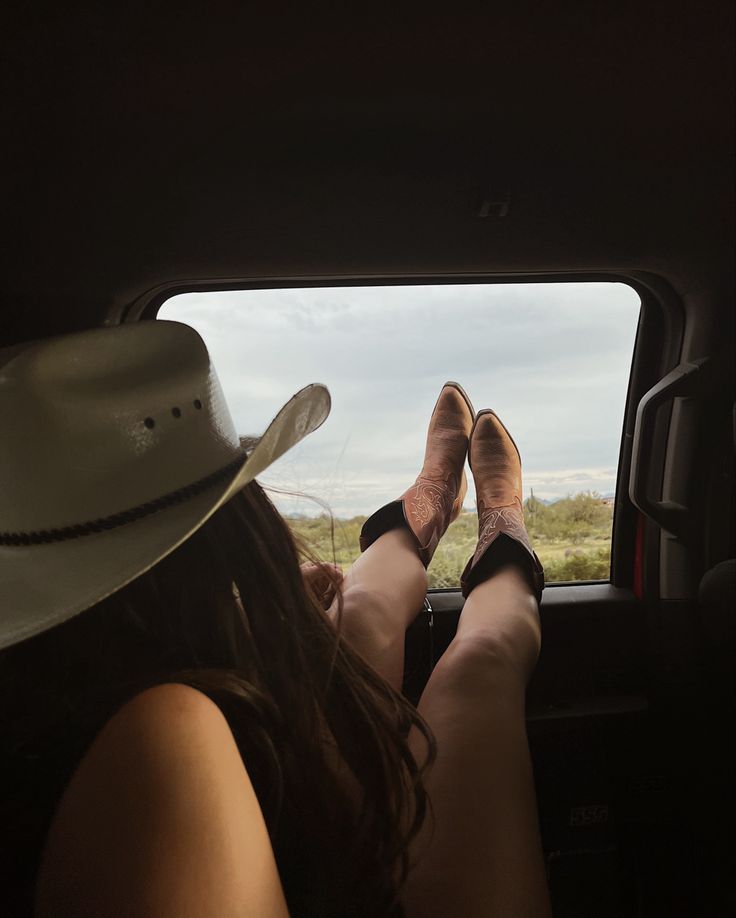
572 519
557 531
594 565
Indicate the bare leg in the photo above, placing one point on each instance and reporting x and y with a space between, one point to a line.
382 594
482 856
385 588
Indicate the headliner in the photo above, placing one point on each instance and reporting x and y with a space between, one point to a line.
147 148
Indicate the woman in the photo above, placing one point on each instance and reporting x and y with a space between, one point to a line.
187 729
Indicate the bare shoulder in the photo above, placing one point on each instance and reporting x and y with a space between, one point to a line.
166 737
164 714
160 818
164 704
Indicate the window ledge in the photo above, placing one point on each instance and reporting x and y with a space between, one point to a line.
555 594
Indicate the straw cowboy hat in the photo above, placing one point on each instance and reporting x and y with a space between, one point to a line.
116 446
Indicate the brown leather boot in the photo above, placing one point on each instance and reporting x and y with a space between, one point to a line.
496 465
436 497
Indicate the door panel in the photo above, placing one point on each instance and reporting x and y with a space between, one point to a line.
613 726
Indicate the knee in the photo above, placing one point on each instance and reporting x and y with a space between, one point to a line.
378 599
369 607
375 615
474 666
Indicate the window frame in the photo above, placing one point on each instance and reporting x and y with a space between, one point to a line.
657 348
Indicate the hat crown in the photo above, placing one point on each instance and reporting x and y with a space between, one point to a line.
102 421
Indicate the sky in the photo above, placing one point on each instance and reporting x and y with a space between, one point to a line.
552 359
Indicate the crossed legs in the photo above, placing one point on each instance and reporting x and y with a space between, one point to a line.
481 854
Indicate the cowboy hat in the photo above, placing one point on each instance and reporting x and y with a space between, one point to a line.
116 446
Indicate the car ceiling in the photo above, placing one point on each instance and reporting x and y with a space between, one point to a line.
149 144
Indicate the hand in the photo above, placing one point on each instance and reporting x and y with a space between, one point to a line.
322 581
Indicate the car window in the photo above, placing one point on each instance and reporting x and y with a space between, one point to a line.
552 359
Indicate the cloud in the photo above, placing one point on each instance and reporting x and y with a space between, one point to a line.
552 359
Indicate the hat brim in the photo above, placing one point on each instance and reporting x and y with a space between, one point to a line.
44 585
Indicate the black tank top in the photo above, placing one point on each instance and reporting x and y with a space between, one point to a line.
33 782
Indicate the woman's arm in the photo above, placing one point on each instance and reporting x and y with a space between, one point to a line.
161 819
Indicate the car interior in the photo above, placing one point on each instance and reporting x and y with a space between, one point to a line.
150 151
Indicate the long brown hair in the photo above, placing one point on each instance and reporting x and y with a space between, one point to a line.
229 613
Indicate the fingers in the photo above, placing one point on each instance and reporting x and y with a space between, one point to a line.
322 580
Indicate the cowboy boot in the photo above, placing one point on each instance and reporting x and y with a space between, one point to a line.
435 499
502 537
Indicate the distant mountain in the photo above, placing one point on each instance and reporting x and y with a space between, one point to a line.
604 495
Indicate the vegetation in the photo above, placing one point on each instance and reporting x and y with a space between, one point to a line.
571 536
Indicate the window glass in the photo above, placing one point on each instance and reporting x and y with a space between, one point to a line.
552 360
